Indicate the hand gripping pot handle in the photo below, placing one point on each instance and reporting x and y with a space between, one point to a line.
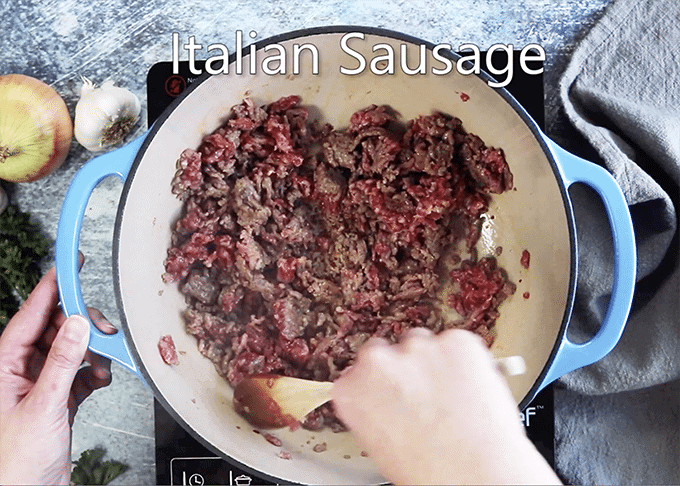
571 356
118 163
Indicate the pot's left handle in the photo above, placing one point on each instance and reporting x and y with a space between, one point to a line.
118 163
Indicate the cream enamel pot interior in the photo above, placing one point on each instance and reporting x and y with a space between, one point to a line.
537 217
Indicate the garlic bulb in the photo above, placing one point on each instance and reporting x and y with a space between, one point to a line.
104 115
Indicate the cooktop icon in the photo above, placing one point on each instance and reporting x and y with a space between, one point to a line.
196 480
243 480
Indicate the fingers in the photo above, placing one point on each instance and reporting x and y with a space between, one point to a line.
28 324
414 332
56 321
86 381
58 318
374 342
450 347
413 340
468 346
374 353
101 367
101 322
88 378
53 387
416 340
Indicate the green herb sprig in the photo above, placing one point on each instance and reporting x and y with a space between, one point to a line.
22 247
90 469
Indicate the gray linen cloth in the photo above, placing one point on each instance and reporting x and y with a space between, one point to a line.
618 421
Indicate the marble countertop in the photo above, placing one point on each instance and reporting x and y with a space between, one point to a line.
59 41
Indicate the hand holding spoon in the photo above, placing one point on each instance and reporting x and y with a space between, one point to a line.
273 401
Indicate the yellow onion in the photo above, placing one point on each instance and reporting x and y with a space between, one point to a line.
35 129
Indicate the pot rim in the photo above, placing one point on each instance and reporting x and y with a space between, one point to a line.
336 29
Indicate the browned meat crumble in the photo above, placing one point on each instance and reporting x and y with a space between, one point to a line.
298 242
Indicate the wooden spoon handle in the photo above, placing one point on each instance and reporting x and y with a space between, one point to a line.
302 396
511 366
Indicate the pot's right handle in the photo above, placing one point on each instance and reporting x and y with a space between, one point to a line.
571 356
118 163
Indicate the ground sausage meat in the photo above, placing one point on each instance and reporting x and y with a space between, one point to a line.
298 241
166 347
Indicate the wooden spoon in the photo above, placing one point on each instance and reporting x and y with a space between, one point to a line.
273 401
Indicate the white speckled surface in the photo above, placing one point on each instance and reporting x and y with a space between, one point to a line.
60 40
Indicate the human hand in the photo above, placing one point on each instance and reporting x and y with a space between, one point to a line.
42 384
436 410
